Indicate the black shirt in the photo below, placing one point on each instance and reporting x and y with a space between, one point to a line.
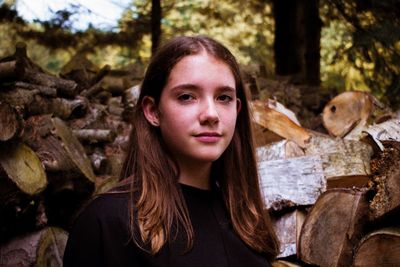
100 236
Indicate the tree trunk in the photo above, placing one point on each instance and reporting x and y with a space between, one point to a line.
297 40
155 24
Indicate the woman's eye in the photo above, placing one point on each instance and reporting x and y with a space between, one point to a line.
225 98
185 97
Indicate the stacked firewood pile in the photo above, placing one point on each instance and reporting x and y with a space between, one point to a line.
335 198
332 185
62 139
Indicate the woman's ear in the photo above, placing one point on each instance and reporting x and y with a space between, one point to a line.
150 111
238 105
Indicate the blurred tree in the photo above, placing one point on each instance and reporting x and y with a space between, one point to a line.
297 40
374 50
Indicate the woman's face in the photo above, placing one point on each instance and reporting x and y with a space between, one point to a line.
198 109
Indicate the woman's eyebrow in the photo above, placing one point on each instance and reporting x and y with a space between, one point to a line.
191 86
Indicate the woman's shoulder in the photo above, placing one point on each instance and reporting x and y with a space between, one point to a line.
107 206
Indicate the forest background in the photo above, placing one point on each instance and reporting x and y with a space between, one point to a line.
326 45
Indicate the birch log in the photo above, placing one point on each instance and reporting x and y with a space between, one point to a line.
333 227
385 131
287 227
292 182
279 150
346 163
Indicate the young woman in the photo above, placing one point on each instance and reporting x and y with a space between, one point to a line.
193 197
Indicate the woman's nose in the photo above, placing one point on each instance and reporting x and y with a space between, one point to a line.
209 113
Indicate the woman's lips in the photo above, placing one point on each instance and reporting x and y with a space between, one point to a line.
208 137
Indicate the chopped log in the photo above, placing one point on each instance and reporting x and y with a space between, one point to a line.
279 123
13 66
287 228
379 248
11 122
292 182
346 162
263 136
74 148
9 70
100 162
93 90
333 227
282 263
64 87
23 167
80 69
94 135
34 104
42 248
38 135
44 90
19 97
279 150
346 111
386 169
59 107
273 104
385 131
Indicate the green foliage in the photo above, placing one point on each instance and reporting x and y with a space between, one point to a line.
371 55
360 39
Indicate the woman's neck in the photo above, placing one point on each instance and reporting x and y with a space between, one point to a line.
197 175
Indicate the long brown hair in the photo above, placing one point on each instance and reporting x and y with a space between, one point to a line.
157 202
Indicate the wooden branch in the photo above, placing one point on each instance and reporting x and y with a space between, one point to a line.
23 167
11 123
292 182
333 227
379 248
279 123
